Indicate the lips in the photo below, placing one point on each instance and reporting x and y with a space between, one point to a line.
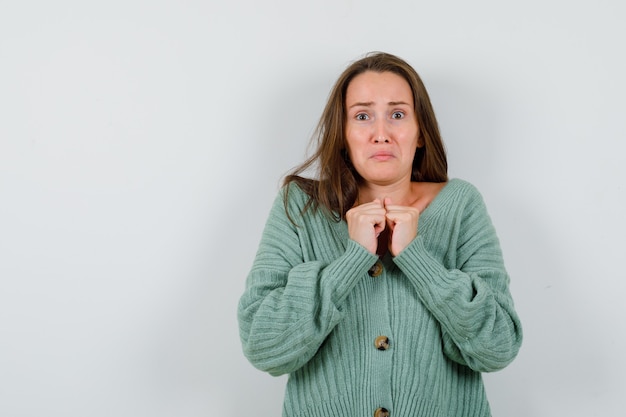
382 156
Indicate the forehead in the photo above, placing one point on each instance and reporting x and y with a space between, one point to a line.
373 87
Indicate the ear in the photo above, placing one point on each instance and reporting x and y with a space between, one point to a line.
420 141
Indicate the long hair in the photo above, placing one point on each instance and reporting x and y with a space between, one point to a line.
335 187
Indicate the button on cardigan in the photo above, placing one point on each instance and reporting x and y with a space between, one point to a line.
311 310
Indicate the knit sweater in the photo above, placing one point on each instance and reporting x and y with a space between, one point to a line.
409 339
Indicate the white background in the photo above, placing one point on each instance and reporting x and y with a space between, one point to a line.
142 143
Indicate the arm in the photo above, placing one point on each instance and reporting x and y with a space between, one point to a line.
291 304
472 303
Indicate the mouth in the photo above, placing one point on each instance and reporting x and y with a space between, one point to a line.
382 156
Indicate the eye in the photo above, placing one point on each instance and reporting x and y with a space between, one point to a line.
362 116
397 115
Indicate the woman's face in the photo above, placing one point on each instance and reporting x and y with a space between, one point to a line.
382 134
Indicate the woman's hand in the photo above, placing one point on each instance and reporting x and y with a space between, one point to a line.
366 222
402 222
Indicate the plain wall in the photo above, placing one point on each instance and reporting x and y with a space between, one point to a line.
142 143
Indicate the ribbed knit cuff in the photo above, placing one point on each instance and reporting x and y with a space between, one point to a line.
344 273
429 276
416 259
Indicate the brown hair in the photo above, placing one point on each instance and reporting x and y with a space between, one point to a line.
336 187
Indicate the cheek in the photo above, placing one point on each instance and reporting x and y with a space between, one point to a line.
417 139
349 136
356 138
350 154
351 142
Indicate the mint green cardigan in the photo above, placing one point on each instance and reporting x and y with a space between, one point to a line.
442 308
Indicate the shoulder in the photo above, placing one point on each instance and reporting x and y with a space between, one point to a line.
460 190
460 199
295 194
295 201
470 205
463 186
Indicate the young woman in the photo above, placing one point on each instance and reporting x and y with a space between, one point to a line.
379 286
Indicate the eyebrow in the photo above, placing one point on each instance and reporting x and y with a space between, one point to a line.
369 103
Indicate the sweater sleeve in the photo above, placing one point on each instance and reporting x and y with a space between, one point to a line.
290 305
473 304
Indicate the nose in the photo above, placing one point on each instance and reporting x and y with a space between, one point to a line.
380 133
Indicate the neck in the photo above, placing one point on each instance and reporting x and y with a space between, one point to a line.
401 193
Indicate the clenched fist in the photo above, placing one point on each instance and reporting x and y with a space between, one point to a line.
402 223
367 221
